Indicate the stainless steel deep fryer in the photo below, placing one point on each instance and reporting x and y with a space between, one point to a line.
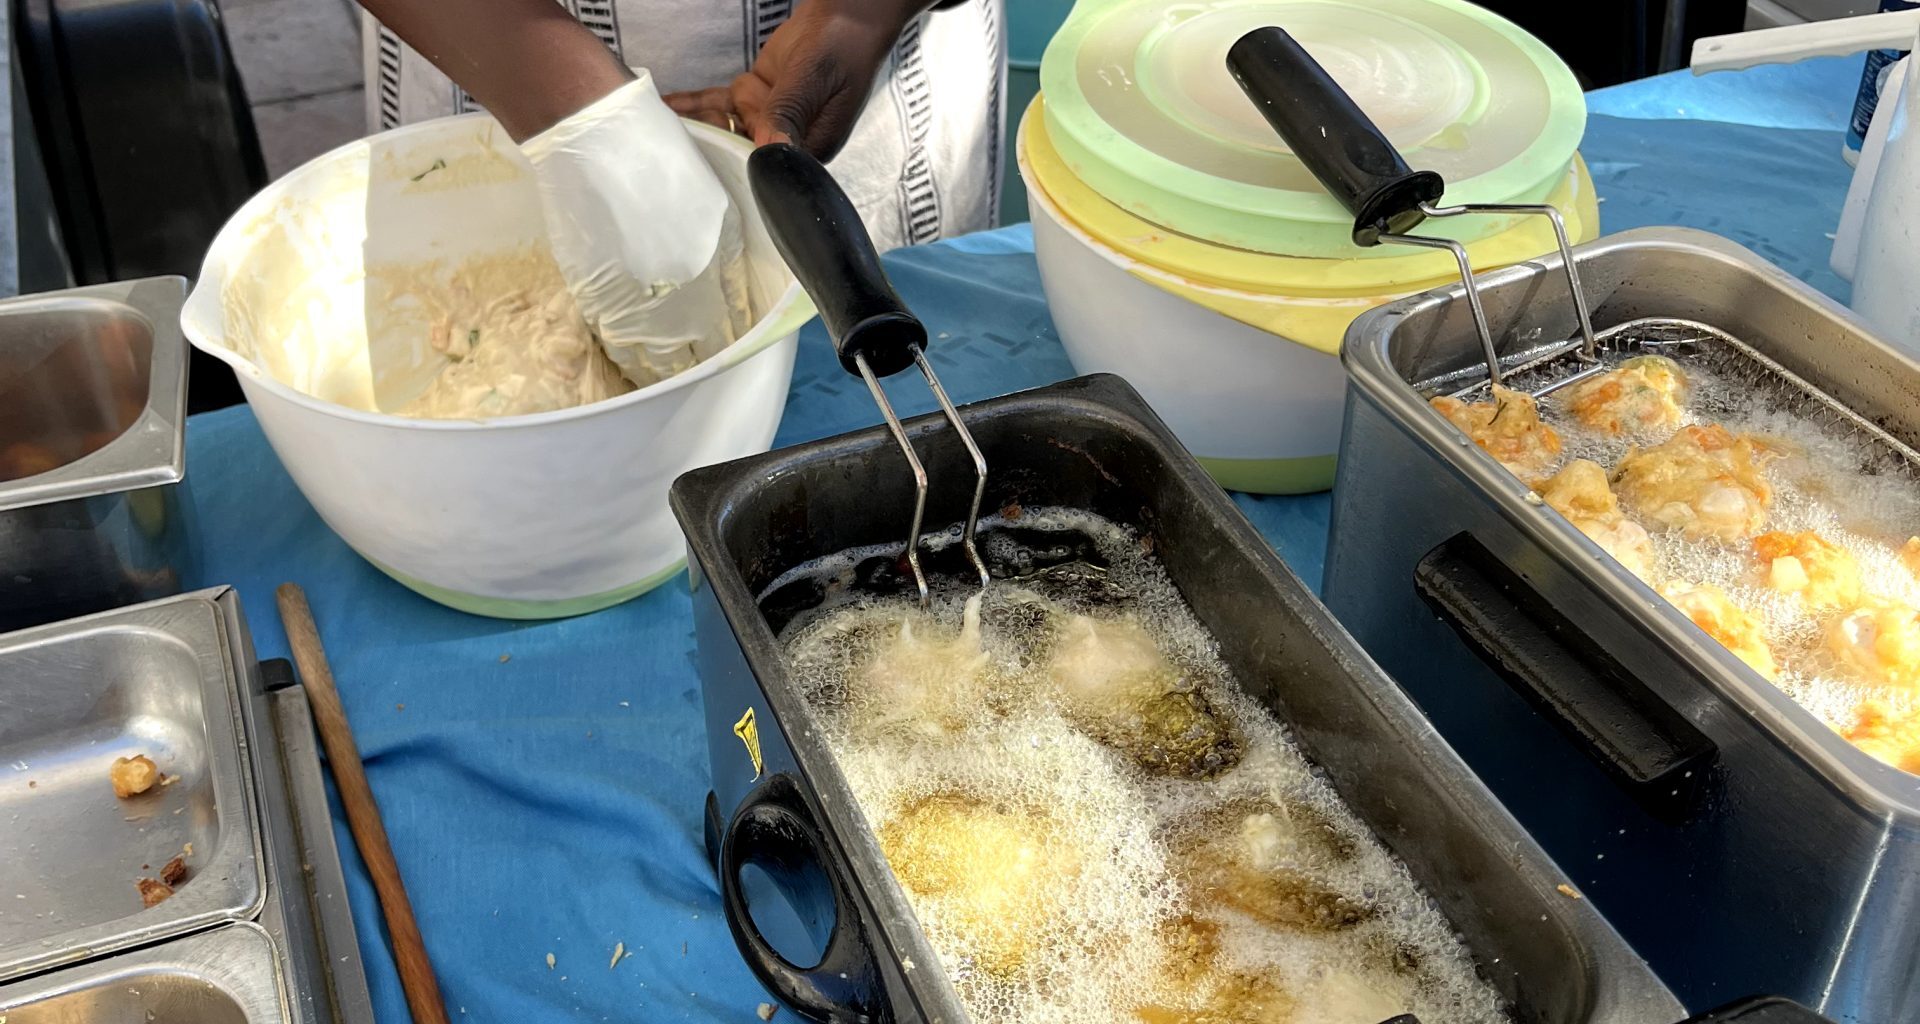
1737 841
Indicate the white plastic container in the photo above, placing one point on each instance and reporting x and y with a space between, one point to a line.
535 516
1875 246
1261 412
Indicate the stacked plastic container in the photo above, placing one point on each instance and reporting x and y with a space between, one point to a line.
1185 248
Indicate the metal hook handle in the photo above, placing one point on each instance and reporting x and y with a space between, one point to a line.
819 233
1356 162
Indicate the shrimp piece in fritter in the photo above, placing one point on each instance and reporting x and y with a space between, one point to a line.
1824 574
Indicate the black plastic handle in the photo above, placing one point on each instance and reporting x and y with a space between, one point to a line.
817 231
1761 1010
775 830
1649 749
276 674
1329 132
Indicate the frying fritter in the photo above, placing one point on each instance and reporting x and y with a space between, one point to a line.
1890 735
996 879
1580 492
1824 574
1200 989
1647 394
1704 481
1254 858
1113 683
1509 427
925 681
1354 996
1736 628
1879 641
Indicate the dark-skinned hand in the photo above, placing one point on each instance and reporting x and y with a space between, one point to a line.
812 77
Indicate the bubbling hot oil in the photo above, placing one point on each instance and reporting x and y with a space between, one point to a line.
1831 481
1068 879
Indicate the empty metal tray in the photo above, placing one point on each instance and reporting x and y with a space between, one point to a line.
93 508
154 680
226 976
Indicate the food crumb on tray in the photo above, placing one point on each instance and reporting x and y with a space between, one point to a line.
549 961
1568 891
153 891
619 954
764 1011
133 776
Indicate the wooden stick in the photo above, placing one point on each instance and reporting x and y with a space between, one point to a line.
363 814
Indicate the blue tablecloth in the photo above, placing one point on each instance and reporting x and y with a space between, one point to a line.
542 783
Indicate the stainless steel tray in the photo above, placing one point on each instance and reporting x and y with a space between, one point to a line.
226 976
284 826
94 512
1736 841
154 680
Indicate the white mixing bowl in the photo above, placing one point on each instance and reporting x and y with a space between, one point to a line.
535 516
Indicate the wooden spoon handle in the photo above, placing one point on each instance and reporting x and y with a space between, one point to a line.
363 814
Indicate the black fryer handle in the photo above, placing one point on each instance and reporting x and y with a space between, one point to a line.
1649 749
775 829
817 231
1329 132
1761 1010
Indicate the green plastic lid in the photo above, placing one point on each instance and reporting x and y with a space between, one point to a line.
1142 109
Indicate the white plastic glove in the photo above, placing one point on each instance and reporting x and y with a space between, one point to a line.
645 235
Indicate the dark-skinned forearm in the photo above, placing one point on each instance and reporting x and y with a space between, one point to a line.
527 61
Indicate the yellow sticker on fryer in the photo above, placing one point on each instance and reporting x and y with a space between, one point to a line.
749 734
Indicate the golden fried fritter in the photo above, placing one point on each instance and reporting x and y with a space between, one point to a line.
1580 492
926 681
1645 395
1508 426
132 776
1880 642
1704 481
1736 628
1890 735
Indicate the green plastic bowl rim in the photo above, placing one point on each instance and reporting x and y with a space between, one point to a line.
1069 115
